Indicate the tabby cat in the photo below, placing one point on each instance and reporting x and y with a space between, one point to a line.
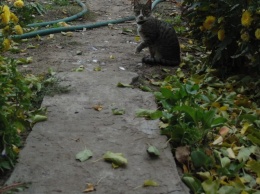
159 36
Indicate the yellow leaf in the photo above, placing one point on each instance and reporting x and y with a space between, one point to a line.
182 46
97 107
258 180
223 108
112 57
246 125
149 183
16 149
90 188
215 104
137 38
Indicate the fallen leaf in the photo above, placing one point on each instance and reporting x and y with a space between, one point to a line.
69 34
97 107
39 118
97 68
218 141
145 88
116 158
84 155
80 68
246 125
149 114
149 183
137 38
112 57
182 154
90 188
78 52
121 85
117 111
244 153
223 131
231 153
153 151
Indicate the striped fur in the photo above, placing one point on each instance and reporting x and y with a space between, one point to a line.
158 36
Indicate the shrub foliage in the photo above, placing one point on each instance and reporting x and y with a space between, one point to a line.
230 29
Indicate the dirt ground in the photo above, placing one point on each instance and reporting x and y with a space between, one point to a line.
110 47
49 51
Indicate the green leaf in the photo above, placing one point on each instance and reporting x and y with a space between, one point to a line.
200 159
228 190
39 118
153 151
192 89
193 183
150 114
254 166
84 155
225 161
253 138
145 88
218 121
166 93
244 153
149 183
117 111
210 187
116 158
122 85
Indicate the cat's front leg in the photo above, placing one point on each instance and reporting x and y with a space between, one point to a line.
140 47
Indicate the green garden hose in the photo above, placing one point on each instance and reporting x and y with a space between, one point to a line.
73 28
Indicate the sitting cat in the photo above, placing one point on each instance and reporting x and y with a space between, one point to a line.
159 36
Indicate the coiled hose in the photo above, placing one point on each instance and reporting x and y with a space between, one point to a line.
73 28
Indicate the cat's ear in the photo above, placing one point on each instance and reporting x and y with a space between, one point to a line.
149 3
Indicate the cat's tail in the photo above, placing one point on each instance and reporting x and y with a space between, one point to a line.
156 61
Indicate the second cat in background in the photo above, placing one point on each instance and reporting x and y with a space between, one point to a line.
160 37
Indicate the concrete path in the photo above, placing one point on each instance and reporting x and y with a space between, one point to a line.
48 158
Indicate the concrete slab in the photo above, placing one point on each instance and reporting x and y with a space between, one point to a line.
48 159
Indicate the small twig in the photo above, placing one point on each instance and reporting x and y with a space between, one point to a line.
100 180
10 187
138 187
97 160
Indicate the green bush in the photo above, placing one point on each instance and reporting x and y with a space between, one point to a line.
15 106
229 29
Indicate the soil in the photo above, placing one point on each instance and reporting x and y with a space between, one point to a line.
64 53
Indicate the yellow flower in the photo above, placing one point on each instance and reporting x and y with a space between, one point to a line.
246 19
19 4
18 29
245 37
257 33
16 149
14 18
5 16
6 44
208 23
221 34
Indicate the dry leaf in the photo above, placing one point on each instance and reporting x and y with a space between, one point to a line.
231 154
218 141
97 107
90 188
223 131
182 154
